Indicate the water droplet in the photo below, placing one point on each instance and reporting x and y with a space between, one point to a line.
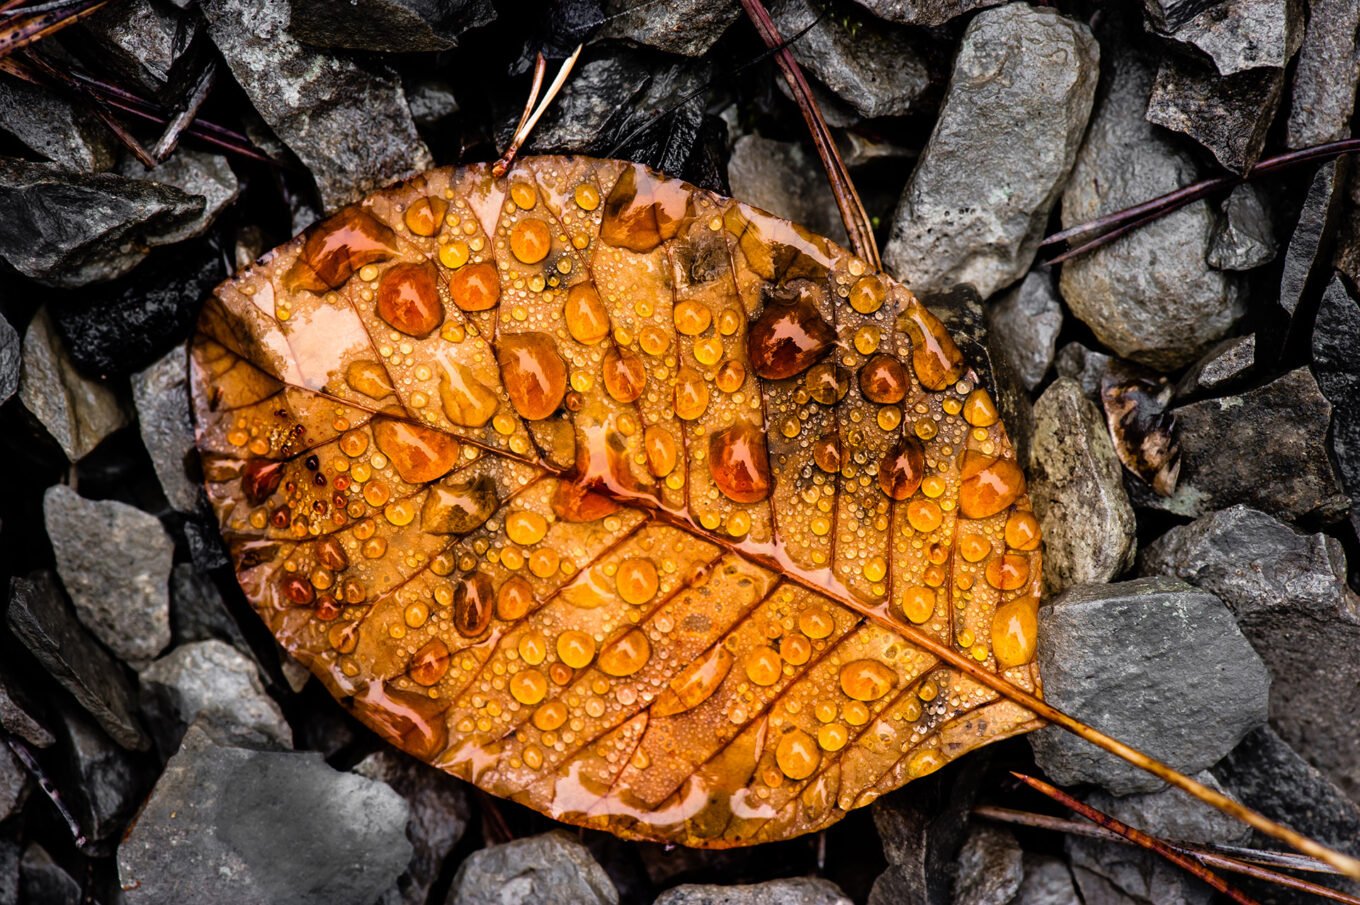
990 484
816 623
419 454
408 299
695 684
534 374
797 755
576 649
691 394
643 210
692 318
1008 572
924 515
924 762
476 287
787 339
550 716
918 604
867 680
467 401
425 216
330 552
369 378
430 663
473 604
936 360
636 580
868 293
979 410
585 314
626 654
259 479
459 507
529 686
1022 531
900 472
832 737
740 463
625 375
662 451
514 599
827 383
763 665
826 453
731 376
795 649
337 247
525 527
523 194
883 380
530 240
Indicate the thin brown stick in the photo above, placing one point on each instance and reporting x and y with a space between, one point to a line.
858 226
501 165
95 104
169 139
24 29
528 120
1152 843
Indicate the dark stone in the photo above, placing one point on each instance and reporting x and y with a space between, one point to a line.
1223 367
686 27
198 612
923 12
1237 35
1048 881
44 881
283 826
204 538
14 786
784 179
54 128
11 353
1244 236
16 713
1174 815
1266 447
78 413
161 394
1086 366
1156 664
45 623
347 124
551 867
107 785
991 867
9 870
430 100
1336 365
390 26
1289 594
151 44
120 328
1024 327
1323 92
1307 260
796 891
1108 873
198 174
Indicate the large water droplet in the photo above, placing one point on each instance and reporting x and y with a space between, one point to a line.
740 462
534 374
408 299
473 604
788 338
901 471
337 247
459 507
419 454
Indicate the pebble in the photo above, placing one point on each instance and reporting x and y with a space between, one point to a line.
216 686
114 560
1223 367
14 785
198 174
1237 36
16 713
198 612
551 867
1153 662
149 44
1336 364
1025 325
77 412
796 891
54 128
392 26
1307 257
161 395
1017 106
1173 815
991 867
11 355
784 179
1322 95
1048 881
1107 873
1244 236
685 27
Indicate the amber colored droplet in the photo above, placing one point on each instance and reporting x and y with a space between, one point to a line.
529 686
731 376
695 684
625 375
530 240
691 394
424 216
763 665
473 604
867 680
1015 631
989 485
637 580
826 453
918 603
459 507
466 401
1022 531
526 527
925 762
924 515
662 451
643 210
691 317
259 479
626 654
575 649
740 462
330 552
979 410
816 623
974 547
868 293
795 649
430 663
883 380
514 599
419 454
408 299
523 194
585 314
533 372
797 755
337 247
550 716
827 383
936 360
369 378
587 196
1008 572
900 472
298 590
787 339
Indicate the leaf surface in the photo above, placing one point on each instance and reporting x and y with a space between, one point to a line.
606 492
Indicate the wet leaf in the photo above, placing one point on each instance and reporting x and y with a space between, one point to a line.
604 492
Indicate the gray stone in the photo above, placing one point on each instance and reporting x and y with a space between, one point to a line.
114 561
15 717
430 100
686 27
78 412
1336 364
198 174
1086 366
1108 873
348 125
44 622
66 229
1077 488
1150 296
54 127
1017 106
1025 324
198 612
216 686
439 815
1222 367
44 881
1048 881
1228 115
393 26
782 178
877 69
1244 236
161 394
1153 662
796 891
144 41
1323 93
1173 815
108 785
1266 448
9 870
551 867
1289 594
1237 35
1308 256
923 12
283 826
14 785
11 357
991 867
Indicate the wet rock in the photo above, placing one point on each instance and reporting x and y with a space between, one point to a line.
923 12
43 880
54 128
1266 448
197 174
216 686
161 394
65 228
1225 365
1086 366
114 561
1077 489
1108 873
1323 93
782 178
1172 814
79 413
430 101
1157 664
44 622
1048 881
439 815
391 26
11 355
13 784
15 714
198 612
1336 364
148 43
107 785
1289 594
878 70
348 125
220 811
1244 236
553 866
990 867
1162 314
9 870
1228 115
1016 109
1025 326
1308 257
1238 36
796 891
687 27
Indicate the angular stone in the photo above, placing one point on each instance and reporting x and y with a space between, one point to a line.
1266 448
78 413
1048 881
1086 366
1153 662
44 622
11 357
796 891
14 784
991 867
1307 259
430 100
1323 93
283 826
391 26
1228 115
1225 365
1238 35
782 178
923 12
1025 324
1244 236
114 561
145 42
551 867
1163 315
1108 873
348 125
15 716
1017 106
9 870
1336 364
161 394
686 27
55 128
198 612
197 174
1077 488
108 785
43 880
1173 815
